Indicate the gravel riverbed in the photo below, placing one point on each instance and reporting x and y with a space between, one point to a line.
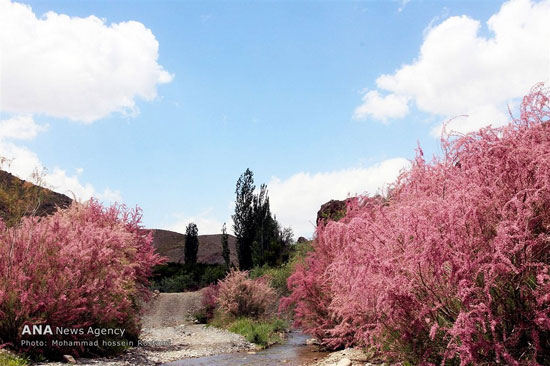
169 334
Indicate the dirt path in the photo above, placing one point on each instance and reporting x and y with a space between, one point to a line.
171 309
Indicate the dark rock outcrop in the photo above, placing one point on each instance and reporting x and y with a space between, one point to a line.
333 210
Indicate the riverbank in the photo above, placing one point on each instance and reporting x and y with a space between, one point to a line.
169 334
167 344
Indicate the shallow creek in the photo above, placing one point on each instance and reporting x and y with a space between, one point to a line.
294 352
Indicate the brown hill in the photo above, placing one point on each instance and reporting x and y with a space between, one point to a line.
171 244
19 198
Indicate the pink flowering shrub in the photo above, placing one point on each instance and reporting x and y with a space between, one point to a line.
241 296
83 266
453 266
209 301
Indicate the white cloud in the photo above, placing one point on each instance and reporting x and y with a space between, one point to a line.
23 163
69 67
382 107
297 199
460 72
110 196
77 68
70 185
204 220
20 128
479 116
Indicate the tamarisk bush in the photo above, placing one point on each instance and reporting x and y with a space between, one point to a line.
240 296
86 265
209 301
453 265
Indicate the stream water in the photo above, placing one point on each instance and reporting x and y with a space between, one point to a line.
294 352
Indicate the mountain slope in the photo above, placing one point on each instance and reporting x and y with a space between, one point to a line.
171 244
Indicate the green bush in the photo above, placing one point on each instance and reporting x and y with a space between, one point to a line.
177 283
278 275
213 274
178 277
262 333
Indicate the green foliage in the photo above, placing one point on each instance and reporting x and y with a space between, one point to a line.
278 275
262 333
212 274
177 283
265 229
221 320
271 242
334 216
225 248
260 239
7 359
178 277
299 251
243 219
191 243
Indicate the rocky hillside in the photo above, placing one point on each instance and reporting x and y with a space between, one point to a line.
19 198
171 244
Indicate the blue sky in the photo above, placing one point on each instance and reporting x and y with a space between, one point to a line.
163 104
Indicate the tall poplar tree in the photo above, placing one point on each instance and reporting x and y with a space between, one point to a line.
260 239
191 243
225 247
243 219
265 230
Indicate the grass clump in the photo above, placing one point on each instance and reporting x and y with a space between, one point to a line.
7 359
263 333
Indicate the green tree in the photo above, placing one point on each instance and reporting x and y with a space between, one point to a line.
225 247
265 229
243 219
191 243
260 239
